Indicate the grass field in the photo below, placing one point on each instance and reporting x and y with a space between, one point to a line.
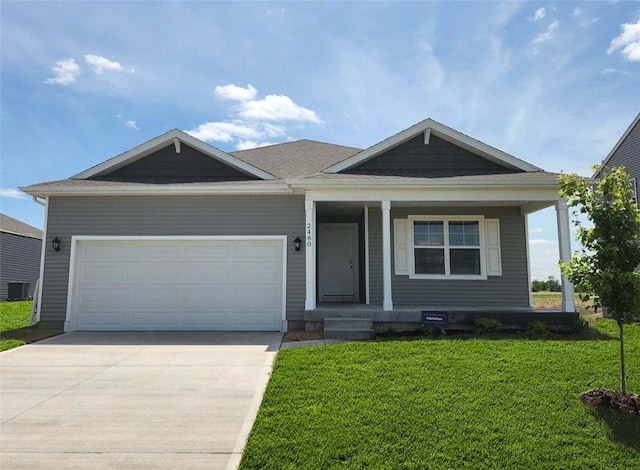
505 403
15 329
554 300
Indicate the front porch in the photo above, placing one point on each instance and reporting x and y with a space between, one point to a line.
408 318
381 264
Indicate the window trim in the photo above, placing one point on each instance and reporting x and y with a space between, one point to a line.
446 219
634 187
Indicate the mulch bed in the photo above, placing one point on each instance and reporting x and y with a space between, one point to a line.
629 405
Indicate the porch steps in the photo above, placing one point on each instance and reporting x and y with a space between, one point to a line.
348 328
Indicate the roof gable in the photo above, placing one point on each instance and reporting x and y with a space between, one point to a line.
426 129
438 159
632 133
173 138
165 165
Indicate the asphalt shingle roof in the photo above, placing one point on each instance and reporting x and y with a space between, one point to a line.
16 227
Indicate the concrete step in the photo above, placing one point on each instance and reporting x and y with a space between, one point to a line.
348 333
349 323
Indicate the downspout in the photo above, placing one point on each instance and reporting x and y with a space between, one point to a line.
38 201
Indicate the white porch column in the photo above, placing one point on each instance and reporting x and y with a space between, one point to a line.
310 254
387 302
564 243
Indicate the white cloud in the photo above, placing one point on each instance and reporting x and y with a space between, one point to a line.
236 93
547 35
536 230
628 41
132 125
577 12
12 193
608 71
252 122
99 64
66 71
277 108
539 14
580 17
225 132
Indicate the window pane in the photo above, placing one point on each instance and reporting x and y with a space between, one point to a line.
465 261
429 260
464 233
428 233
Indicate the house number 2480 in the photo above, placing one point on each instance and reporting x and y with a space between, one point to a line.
309 233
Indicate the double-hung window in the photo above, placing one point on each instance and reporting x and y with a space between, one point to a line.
448 247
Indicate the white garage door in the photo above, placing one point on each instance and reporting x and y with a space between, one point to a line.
169 284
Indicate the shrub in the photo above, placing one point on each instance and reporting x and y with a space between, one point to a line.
484 326
538 329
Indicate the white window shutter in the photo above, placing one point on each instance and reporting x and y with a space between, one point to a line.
492 242
401 246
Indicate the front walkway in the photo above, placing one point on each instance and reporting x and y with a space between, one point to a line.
132 400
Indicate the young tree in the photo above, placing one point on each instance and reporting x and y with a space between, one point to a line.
604 271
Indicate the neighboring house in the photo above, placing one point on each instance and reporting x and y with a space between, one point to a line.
20 248
176 234
626 153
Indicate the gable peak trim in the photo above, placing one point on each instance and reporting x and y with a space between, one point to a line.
431 127
173 137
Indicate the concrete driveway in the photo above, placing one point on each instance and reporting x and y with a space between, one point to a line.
132 400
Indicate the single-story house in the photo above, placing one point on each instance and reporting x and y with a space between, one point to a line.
176 234
626 153
20 249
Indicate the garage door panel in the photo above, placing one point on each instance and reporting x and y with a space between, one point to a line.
155 250
103 295
104 272
210 271
153 318
218 250
152 272
257 251
101 252
216 284
110 318
206 318
154 296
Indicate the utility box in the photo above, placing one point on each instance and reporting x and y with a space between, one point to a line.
18 291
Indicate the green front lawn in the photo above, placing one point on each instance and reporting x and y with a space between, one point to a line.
15 329
440 404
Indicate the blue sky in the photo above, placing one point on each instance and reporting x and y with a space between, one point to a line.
554 83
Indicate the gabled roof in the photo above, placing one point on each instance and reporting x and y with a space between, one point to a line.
162 141
617 146
442 131
16 227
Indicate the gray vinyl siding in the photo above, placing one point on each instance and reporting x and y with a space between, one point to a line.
509 290
19 261
628 155
439 158
189 164
171 215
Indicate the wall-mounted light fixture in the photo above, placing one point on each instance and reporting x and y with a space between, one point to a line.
55 243
296 243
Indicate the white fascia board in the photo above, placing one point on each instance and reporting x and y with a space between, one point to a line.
442 131
162 141
516 195
155 190
416 183
617 146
